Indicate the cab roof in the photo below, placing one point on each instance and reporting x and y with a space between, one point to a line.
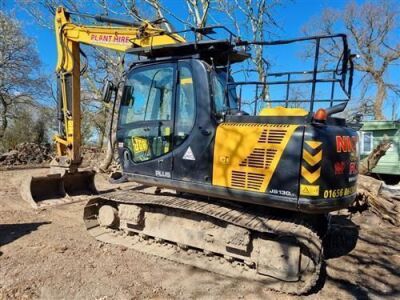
217 52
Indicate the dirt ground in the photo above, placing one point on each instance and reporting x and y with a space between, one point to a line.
47 254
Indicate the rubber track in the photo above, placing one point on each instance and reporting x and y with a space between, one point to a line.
235 214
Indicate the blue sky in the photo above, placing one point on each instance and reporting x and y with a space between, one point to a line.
291 17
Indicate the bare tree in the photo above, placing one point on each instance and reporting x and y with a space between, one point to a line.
20 80
372 28
253 20
198 10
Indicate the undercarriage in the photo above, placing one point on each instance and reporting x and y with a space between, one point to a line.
281 250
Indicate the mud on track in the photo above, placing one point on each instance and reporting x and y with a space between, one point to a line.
47 254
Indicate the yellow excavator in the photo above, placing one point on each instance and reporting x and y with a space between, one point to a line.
65 179
246 184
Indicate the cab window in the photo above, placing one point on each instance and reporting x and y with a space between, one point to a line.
185 110
218 82
146 112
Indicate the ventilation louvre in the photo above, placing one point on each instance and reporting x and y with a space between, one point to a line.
259 158
251 181
272 136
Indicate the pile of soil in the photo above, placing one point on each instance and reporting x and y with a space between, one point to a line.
27 154
91 156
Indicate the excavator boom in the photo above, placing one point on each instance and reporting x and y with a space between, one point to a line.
65 179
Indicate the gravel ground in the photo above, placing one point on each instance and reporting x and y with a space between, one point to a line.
47 254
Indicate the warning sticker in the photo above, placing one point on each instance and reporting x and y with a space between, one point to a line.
189 154
309 190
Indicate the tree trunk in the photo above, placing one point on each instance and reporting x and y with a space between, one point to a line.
379 99
380 198
262 77
3 117
370 162
101 138
112 130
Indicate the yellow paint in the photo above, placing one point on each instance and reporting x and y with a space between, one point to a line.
60 140
336 193
167 131
235 142
224 160
110 37
313 144
312 160
140 145
187 80
311 177
70 131
281 111
309 190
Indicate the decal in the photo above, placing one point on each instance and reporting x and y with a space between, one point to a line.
281 192
353 168
110 39
189 154
164 174
352 178
313 144
224 160
187 80
140 144
311 177
312 155
312 160
336 193
346 144
339 167
309 190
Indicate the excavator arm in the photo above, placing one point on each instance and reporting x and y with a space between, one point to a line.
65 179
69 36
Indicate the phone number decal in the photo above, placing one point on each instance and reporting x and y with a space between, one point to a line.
339 192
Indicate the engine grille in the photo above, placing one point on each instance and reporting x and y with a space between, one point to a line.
272 136
247 154
244 180
259 158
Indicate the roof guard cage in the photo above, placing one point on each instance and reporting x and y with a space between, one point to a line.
341 75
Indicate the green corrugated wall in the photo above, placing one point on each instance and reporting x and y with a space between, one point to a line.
390 163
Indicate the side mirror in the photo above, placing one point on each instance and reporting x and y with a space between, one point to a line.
108 89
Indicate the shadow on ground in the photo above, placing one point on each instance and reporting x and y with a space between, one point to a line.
363 260
342 237
12 232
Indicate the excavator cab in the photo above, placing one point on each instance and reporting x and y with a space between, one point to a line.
186 124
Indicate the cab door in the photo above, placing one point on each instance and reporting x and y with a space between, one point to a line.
146 120
194 128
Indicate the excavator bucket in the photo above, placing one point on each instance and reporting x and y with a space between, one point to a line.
56 189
